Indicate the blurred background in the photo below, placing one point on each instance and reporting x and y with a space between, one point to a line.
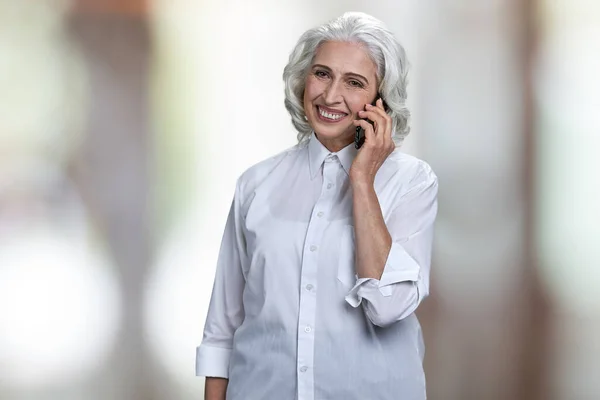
125 123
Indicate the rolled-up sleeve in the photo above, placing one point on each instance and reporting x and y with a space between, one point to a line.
404 282
226 311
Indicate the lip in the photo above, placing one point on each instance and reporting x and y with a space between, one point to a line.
332 111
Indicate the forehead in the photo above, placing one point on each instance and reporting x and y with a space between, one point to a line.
344 57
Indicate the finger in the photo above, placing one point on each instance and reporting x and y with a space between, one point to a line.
369 131
378 119
380 110
378 107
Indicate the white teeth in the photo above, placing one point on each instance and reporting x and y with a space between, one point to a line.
330 116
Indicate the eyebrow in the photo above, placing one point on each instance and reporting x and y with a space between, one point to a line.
347 73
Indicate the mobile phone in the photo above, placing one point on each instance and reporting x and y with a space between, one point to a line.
359 136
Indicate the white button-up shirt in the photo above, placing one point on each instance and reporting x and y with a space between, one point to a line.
288 317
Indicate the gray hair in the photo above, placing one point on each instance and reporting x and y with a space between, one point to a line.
385 51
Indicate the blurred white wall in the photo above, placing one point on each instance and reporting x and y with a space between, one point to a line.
568 191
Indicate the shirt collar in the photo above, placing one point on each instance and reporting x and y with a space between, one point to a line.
317 154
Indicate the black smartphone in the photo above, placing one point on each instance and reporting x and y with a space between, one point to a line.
359 136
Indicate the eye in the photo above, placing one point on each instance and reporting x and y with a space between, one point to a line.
355 83
320 74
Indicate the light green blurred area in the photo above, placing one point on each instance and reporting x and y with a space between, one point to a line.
121 137
174 72
43 97
568 187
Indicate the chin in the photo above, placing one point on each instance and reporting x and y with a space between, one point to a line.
330 131
334 133
330 134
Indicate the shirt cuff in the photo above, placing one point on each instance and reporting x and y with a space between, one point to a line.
212 361
399 267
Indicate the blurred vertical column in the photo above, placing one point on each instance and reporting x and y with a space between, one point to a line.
568 190
113 166
473 118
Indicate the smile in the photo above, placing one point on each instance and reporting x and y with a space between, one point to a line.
330 117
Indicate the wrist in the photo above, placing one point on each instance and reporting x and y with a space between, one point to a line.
361 182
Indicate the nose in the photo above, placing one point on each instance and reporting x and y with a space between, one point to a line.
333 93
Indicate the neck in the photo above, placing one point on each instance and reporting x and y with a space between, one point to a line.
335 145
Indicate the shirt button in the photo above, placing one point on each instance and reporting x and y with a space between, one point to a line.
320 214
309 287
329 186
307 329
303 369
313 248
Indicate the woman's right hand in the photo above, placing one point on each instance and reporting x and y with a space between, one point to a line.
215 388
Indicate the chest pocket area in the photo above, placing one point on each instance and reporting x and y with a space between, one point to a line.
346 270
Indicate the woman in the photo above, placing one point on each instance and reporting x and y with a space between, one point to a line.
327 249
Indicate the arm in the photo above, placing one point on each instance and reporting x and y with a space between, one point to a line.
215 388
373 238
393 259
226 311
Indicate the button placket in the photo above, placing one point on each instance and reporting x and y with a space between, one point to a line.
308 306
308 279
330 168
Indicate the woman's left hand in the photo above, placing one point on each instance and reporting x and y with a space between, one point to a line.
378 143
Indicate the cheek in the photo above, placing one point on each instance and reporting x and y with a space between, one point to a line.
312 89
357 103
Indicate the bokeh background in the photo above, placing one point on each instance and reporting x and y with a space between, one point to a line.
125 123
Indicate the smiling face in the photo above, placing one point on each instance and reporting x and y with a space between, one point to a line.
341 80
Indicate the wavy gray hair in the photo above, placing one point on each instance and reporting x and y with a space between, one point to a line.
385 51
